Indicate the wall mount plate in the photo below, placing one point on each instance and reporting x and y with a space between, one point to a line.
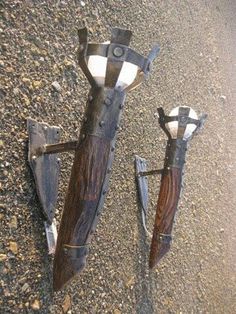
45 167
142 182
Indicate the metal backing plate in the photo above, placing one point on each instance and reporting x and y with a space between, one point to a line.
142 182
45 167
51 234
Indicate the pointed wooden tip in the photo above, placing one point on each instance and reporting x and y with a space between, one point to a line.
157 252
65 268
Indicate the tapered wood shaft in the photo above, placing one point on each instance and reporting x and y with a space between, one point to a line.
165 213
88 183
80 212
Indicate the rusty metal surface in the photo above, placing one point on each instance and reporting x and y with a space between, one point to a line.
117 52
103 112
45 168
175 153
94 153
141 166
142 185
60 147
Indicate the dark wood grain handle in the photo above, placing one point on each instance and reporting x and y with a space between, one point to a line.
166 208
81 209
89 181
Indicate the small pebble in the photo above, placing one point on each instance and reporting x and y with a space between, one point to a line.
223 97
35 305
25 287
66 304
13 247
3 257
37 84
13 222
56 86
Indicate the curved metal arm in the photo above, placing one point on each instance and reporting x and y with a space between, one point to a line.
117 52
83 40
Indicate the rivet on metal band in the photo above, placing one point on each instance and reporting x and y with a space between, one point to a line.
118 52
165 238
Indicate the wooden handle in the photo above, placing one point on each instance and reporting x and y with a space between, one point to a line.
81 208
166 208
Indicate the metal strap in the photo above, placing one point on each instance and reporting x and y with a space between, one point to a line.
164 238
153 53
137 59
176 118
114 61
112 72
97 49
129 55
120 39
59 147
162 121
76 251
182 121
149 173
138 80
120 36
175 153
83 40
201 122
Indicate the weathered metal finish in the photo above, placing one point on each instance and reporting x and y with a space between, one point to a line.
60 147
175 153
149 173
142 183
45 168
51 234
103 112
114 60
171 182
183 120
88 184
95 151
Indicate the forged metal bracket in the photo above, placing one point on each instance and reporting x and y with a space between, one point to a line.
142 184
45 167
51 234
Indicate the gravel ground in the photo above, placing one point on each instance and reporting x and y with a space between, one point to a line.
195 67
